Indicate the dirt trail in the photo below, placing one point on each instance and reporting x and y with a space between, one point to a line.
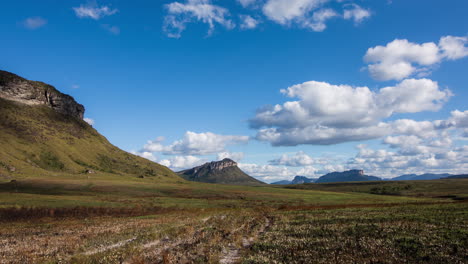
109 247
232 253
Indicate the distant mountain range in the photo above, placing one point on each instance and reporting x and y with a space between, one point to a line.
347 176
415 177
358 175
223 172
297 180
461 176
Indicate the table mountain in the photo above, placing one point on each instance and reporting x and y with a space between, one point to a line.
225 171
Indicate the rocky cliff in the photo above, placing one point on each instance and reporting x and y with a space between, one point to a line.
16 88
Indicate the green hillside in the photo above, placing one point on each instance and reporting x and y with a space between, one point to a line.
38 141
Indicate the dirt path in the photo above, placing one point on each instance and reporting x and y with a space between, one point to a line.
232 253
109 247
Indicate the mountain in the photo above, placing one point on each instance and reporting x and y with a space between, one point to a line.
415 177
224 172
297 180
347 176
42 133
283 182
461 176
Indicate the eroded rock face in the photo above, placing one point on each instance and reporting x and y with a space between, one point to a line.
219 165
15 88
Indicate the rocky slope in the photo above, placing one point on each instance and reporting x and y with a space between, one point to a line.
225 171
42 133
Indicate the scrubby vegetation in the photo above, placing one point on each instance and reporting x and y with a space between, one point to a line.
110 219
401 234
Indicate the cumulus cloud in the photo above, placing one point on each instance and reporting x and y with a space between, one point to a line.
426 159
401 58
93 11
34 22
180 14
298 159
178 163
88 120
196 144
356 13
330 114
285 11
312 14
145 154
248 22
235 156
453 48
319 19
267 173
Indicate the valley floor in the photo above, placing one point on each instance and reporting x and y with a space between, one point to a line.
107 221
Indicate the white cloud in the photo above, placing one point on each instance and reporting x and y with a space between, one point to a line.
89 121
308 171
196 144
330 114
426 159
93 11
180 14
285 11
299 159
247 3
319 18
146 154
115 30
356 13
454 48
248 22
178 163
236 156
401 58
34 22
312 14
267 173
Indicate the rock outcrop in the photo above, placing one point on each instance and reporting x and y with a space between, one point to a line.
16 88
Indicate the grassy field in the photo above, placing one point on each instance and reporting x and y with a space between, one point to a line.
106 218
401 234
444 188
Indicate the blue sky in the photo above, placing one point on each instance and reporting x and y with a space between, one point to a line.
200 74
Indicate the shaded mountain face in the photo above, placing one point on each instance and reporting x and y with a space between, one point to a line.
302 179
415 177
347 176
225 171
297 180
461 176
42 133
